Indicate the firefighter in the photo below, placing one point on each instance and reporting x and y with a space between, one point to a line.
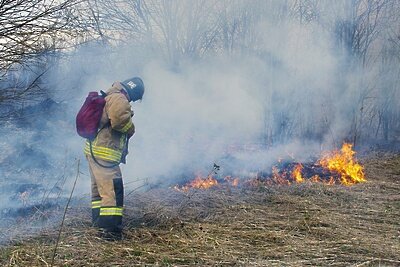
107 151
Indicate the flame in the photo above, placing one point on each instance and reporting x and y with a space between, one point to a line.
338 166
296 174
198 182
232 181
279 178
331 181
315 179
206 183
344 163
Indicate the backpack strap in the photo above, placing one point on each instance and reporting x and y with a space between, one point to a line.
103 94
102 165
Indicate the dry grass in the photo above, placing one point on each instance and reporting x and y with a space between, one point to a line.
301 225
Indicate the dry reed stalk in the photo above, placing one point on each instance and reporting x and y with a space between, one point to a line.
65 212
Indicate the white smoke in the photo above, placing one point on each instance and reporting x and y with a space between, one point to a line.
191 116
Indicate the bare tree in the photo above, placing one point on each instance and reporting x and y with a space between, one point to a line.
28 27
359 26
31 33
305 10
172 27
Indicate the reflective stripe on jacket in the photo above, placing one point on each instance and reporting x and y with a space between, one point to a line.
103 153
115 125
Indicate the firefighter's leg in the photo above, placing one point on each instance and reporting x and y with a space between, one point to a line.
96 199
110 188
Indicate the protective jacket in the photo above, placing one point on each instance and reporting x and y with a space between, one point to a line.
116 126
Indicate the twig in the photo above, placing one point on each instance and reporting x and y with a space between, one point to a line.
328 125
59 183
137 188
65 212
383 260
362 264
137 180
191 193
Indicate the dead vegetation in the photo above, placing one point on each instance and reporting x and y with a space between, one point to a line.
298 225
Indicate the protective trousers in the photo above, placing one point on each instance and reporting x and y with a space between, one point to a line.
107 196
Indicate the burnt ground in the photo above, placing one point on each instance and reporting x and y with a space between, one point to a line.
298 225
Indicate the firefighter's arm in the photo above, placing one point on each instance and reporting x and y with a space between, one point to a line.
120 114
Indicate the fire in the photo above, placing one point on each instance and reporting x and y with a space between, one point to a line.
334 167
232 181
344 163
199 182
206 183
296 174
315 179
341 162
278 177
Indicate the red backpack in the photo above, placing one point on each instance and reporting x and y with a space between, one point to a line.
89 116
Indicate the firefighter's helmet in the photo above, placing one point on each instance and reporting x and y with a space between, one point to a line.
135 88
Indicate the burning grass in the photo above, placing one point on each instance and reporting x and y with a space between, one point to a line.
265 225
334 167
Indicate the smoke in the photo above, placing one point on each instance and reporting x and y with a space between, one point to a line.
197 113
203 112
190 119
292 98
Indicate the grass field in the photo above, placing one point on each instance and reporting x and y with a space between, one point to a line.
297 225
